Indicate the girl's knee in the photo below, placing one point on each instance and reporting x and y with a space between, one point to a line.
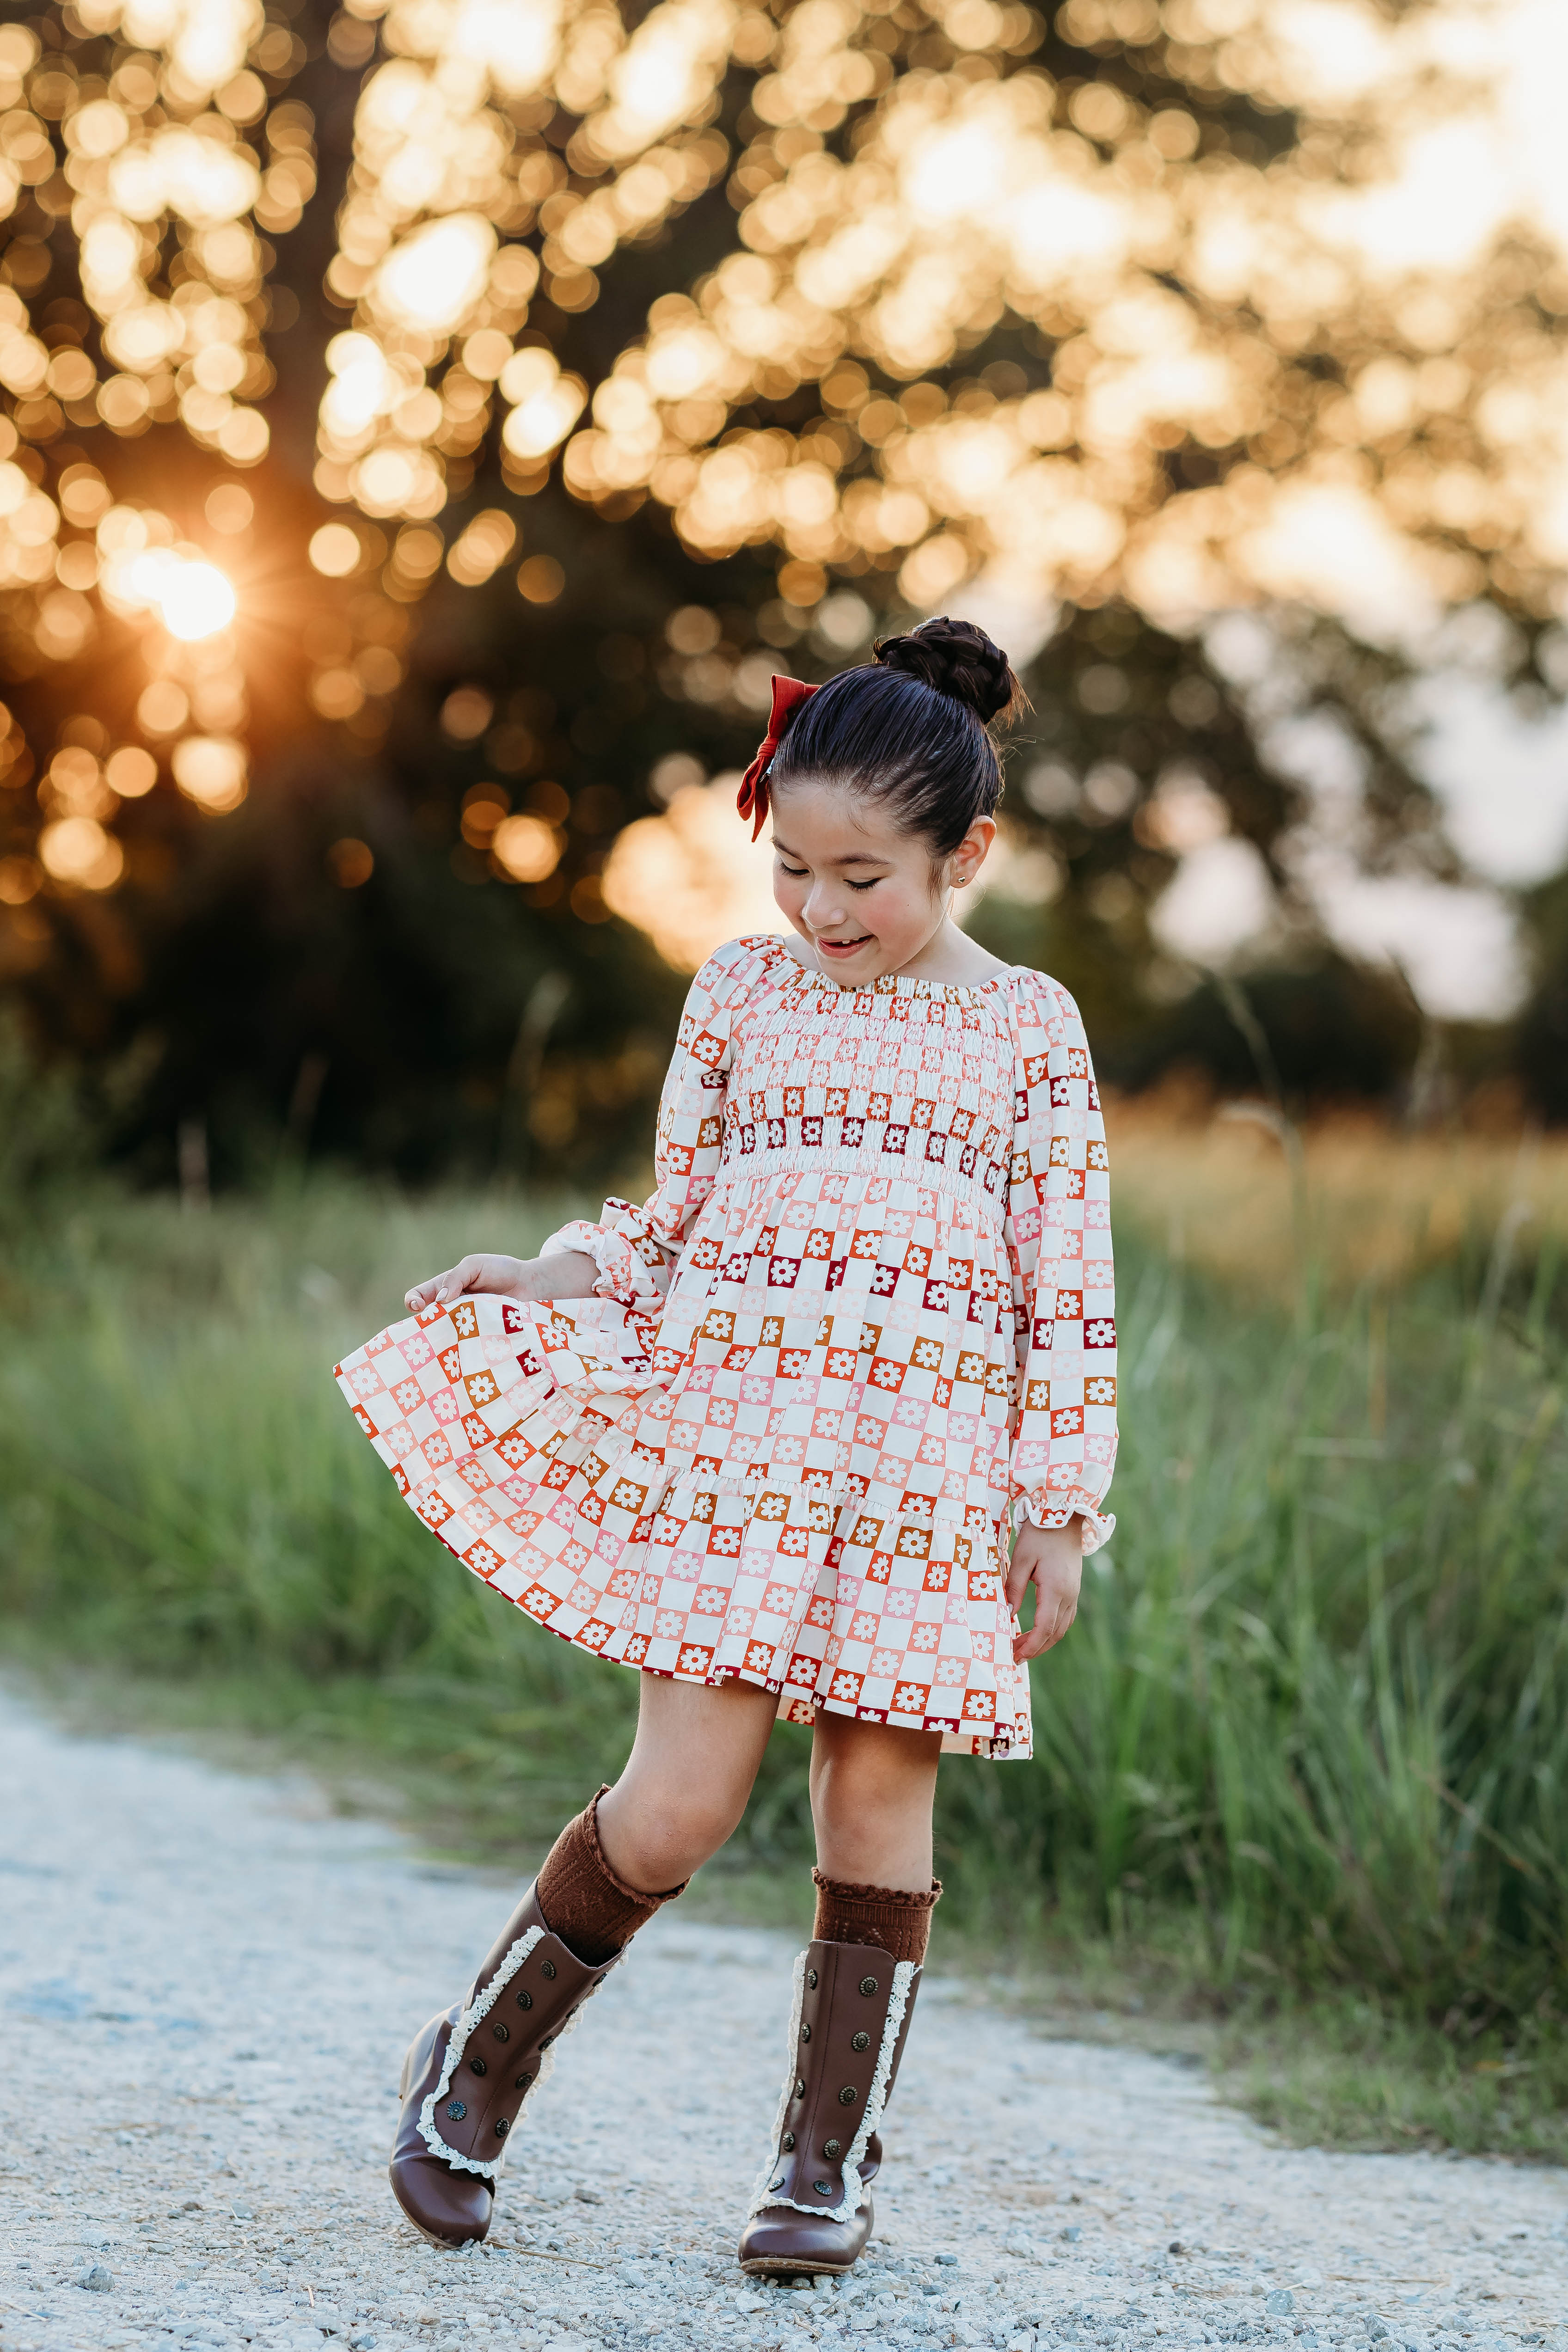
656 1837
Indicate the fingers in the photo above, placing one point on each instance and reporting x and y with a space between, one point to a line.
441 1288
1037 1559
1049 1628
466 1275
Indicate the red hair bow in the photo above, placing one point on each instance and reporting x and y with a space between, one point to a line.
751 800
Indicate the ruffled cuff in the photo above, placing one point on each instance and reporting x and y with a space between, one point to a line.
1044 1509
623 1273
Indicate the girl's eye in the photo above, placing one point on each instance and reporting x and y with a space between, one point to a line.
796 872
867 886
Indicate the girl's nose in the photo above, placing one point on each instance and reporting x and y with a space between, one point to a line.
823 909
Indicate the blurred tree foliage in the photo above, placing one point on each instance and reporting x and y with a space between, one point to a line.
343 961
1543 1030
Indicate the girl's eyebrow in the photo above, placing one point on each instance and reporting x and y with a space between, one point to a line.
860 857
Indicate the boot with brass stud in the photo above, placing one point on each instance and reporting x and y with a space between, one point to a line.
811 2213
468 2070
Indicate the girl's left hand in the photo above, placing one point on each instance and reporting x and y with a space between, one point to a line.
1052 1559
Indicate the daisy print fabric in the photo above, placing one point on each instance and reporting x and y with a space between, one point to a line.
864 1325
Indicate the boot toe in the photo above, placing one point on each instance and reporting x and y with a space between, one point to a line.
450 2209
779 2243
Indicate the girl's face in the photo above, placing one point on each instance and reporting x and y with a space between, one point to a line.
863 895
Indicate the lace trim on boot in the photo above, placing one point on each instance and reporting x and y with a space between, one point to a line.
904 1974
763 2179
480 2009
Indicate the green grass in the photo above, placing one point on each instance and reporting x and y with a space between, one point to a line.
1302 1777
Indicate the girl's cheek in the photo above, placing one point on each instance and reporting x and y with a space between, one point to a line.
898 913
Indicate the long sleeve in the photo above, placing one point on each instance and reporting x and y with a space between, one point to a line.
634 1248
1058 1239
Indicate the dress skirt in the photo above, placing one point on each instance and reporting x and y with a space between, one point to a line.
510 1429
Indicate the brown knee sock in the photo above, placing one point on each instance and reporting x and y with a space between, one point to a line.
595 1913
897 1923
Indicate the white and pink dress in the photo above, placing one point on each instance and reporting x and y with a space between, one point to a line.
864 1322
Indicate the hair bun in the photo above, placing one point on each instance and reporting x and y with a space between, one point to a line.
956 658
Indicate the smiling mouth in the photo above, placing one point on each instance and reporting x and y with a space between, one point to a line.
845 947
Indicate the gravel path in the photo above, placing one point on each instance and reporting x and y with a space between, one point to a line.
208 1987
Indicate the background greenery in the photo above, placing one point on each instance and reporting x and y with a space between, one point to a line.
1306 1745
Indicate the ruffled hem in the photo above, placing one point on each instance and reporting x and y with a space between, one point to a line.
1012 1746
1043 1509
623 1277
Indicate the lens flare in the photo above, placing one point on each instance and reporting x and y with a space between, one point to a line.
191 598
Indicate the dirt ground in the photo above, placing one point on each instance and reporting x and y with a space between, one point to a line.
210 1982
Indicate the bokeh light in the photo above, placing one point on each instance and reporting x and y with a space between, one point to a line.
191 598
351 863
130 772
230 509
163 708
77 851
525 848
335 551
1316 362
211 770
693 878
540 579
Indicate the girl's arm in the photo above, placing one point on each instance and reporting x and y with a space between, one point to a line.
568 1275
1058 1228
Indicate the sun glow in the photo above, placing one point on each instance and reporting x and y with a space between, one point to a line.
191 598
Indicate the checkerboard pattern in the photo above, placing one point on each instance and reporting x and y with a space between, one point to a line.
864 1319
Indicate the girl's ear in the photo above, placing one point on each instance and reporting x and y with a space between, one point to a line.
965 862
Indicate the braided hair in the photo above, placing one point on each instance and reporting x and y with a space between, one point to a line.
910 729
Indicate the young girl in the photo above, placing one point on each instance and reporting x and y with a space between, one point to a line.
765 1438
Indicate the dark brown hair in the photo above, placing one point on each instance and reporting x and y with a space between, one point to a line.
910 729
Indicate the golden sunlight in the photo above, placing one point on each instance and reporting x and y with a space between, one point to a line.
191 597
691 878
1250 371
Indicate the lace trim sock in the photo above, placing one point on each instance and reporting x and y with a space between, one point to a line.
595 1913
899 1923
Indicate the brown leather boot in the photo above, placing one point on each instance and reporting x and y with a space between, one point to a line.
812 2210
467 2072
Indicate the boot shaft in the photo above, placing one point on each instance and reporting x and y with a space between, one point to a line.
497 2047
852 2010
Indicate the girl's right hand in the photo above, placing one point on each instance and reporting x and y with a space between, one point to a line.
564 1274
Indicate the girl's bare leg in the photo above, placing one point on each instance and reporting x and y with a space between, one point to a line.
872 1790
685 1782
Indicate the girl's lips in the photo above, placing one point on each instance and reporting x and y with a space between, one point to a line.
845 947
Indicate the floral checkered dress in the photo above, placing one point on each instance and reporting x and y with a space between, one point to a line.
865 1320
